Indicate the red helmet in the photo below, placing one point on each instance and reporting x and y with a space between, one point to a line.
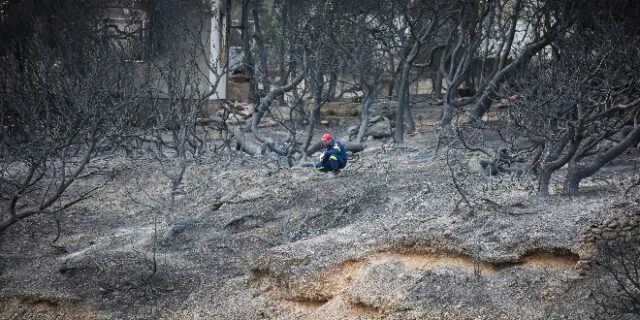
326 137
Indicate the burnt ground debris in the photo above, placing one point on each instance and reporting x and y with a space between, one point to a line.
390 238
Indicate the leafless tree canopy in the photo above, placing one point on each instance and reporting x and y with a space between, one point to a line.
77 85
542 91
68 94
581 104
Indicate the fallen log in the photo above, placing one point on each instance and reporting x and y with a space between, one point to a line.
318 146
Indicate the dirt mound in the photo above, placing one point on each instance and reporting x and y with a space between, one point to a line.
36 307
385 283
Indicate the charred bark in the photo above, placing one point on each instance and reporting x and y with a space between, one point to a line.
262 51
577 172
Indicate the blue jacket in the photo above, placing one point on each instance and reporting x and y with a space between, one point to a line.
336 150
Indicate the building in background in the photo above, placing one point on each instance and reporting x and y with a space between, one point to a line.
192 34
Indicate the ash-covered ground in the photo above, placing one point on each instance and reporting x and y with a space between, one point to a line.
391 237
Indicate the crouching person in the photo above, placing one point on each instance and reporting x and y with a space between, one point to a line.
334 156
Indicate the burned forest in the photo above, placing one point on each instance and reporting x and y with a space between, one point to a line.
289 159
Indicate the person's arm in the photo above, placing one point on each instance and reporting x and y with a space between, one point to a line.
326 154
330 152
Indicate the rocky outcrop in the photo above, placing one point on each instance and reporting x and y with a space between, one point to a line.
618 227
404 278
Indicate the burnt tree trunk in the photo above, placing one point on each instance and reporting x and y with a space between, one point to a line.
262 51
402 103
314 118
552 160
282 53
411 125
266 102
577 172
246 44
394 75
437 85
544 180
367 101
490 91
333 84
